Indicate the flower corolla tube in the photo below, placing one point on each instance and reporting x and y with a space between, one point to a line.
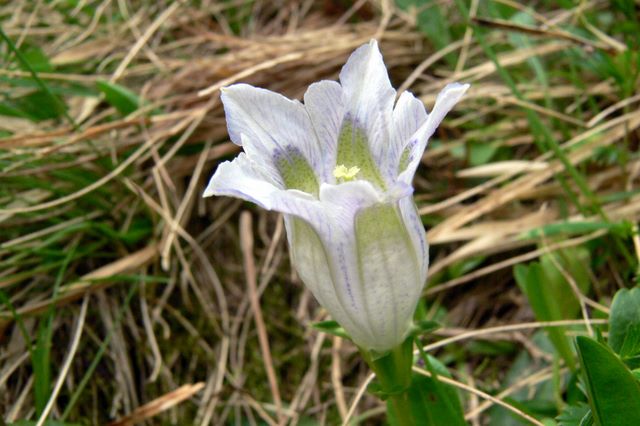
340 167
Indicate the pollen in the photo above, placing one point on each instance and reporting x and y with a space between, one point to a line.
344 173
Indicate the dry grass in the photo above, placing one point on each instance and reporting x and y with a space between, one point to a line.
188 308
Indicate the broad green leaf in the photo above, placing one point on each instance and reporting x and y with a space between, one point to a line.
36 57
119 97
551 296
573 261
631 344
542 296
625 314
11 111
614 393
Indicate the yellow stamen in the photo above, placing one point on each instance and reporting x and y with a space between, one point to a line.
342 173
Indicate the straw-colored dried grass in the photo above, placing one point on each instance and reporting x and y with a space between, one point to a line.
229 328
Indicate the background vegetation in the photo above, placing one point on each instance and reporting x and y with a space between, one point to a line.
125 296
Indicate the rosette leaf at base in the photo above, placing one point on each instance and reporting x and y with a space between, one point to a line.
339 167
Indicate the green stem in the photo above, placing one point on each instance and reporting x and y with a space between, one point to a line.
413 399
393 372
400 407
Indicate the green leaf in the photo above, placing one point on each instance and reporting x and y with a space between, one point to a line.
542 293
331 327
422 327
625 316
11 111
574 415
631 345
36 57
119 97
575 228
482 152
614 394
38 105
573 261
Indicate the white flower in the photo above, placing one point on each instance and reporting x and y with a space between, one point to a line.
340 169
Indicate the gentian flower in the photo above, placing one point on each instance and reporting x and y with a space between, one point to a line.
339 167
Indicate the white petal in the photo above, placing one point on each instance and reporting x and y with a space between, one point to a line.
408 115
374 276
374 260
328 266
242 178
390 273
324 104
416 230
369 98
269 126
245 179
315 268
416 145
346 199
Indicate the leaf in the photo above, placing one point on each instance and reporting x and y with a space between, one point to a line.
625 315
331 327
631 344
36 57
37 105
119 97
574 228
482 152
542 294
614 394
574 415
573 262
422 327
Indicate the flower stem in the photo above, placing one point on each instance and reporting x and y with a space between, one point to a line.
393 371
399 408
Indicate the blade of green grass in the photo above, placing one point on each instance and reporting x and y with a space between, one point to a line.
42 352
25 63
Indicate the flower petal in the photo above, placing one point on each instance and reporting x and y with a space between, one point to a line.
416 230
322 251
416 145
324 104
245 179
270 127
369 98
373 276
242 178
408 115
389 271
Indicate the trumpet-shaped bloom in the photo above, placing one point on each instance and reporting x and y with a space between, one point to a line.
340 168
